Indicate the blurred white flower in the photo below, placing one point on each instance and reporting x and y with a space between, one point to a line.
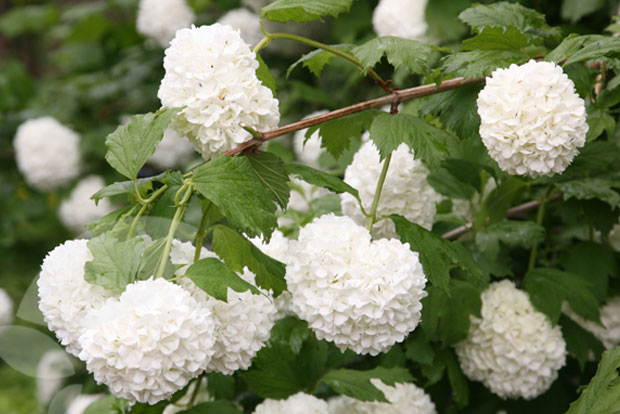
246 22
299 403
361 295
211 73
405 191
400 18
160 19
53 368
79 209
47 153
609 333
81 403
513 350
6 308
173 151
467 208
532 121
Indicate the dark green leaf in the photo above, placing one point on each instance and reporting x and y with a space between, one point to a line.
221 386
447 184
574 10
593 212
599 122
457 109
594 262
589 188
232 185
502 14
579 342
269 168
510 232
213 407
27 19
238 252
411 54
419 349
548 288
497 203
130 146
215 278
591 47
322 179
316 60
479 62
497 38
610 96
264 75
304 10
458 381
356 384
596 157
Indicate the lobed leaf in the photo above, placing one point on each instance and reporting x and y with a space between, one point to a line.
264 75
510 232
316 60
215 278
411 54
304 10
356 384
322 179
479 62
502 14
269 169
592 188
497 38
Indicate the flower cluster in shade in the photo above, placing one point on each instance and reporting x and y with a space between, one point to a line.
402 398
79 209
173 151
300 403
532 120
211 74
513 349
160 19
609 332
405 191
359 294
247 22
47 153
400 18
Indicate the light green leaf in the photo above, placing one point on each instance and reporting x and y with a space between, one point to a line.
497 38
304 10
130 146
502 14
316 60
356 384
269 168
264 75
107 405
479 62
411 54
215 278
510 232
112 220
589 188
233 186
574 10
151 257
581 48
126 187
21 20
322 179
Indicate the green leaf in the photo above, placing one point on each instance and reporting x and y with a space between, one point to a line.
458 381
510 232
419 349
214 277
599 122
356 384
497 203
336 135
112 220
115 263
497 38
610 96
232 185
411 54
264 75
27 19
479 62
269 168
107 405
429 144
151 257
322 179
213 407
316 60
548 288
594 262
502 14
304 10
581 48
596 157
456 178
579 342
221 386
130 146
593 212
437 255
574 10
589 188
126 187
602 395
238 252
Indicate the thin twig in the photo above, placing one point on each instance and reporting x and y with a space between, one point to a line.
401 96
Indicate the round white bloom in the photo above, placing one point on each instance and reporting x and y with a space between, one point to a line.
609 333
160 19
148 343
181 404
246 22
242 324
81 403
79 209
402 397
53 368
513 350
405 191
400 18
308 151
47 153
65 296
532 121
300 403
359 294
173 150
6 308
211 73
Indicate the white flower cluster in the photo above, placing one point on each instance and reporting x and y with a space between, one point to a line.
299 403
246 22
609 333
402 397
308 151
80 403
79 209
6 308
400 18
211 73
160 19
513 350
47 153
173 150
360 294
532 121
405 192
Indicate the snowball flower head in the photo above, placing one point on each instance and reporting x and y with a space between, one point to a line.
81 403
405 192
173 150
609 333
65 296
400 18
513 350
242 324
246 22
52 370
148 343
47 153
299 403
160 19
532 121
211 73
402 397
79 209
308 151
360 294
6 308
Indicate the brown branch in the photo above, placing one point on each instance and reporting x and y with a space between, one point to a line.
396 96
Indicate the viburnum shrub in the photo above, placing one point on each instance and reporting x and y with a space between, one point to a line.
446 244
